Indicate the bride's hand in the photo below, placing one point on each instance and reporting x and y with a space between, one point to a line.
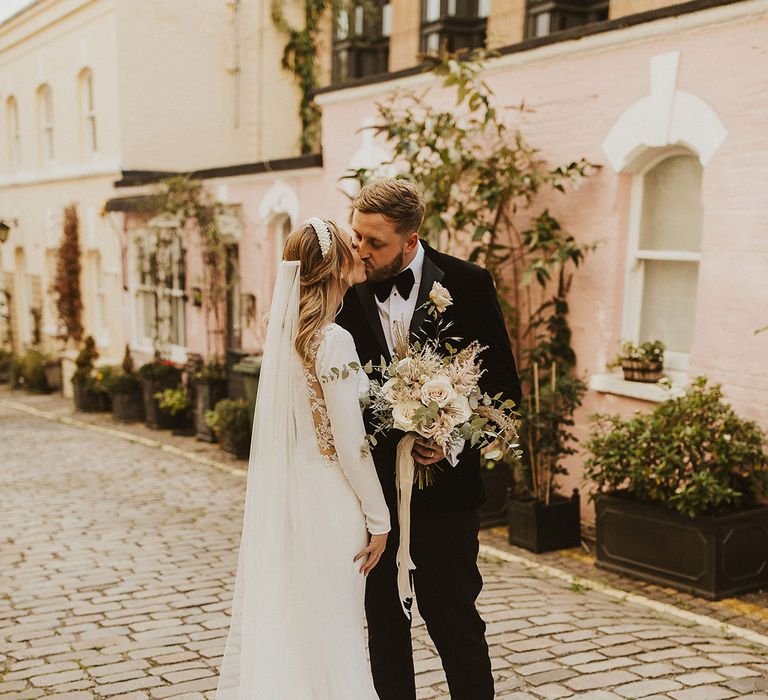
372 552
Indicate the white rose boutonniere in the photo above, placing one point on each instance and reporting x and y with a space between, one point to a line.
440 297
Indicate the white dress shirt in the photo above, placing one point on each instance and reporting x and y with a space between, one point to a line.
394 309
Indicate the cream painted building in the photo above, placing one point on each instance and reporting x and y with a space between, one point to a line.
90 89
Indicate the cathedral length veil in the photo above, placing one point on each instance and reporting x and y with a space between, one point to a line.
269 632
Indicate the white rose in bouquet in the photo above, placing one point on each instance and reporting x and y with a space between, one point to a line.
405 367
402 414
438 389
388 389
440 297
460 409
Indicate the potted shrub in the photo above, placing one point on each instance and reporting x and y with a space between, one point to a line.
539 518
125 392
641 363
155 377
210 388
231 423
677 494
89 390
175 404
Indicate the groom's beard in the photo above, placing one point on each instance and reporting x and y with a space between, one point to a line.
389 270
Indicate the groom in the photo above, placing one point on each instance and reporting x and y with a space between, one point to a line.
400 272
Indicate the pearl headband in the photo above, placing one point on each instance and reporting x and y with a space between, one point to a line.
323 234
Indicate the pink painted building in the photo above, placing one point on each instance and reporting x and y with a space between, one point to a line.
674 107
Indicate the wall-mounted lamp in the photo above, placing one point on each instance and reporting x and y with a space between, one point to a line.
5 228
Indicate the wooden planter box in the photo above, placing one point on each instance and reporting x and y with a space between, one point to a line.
542 528
89 401
639 371
208 392
496 482
154 416
128 407
713 557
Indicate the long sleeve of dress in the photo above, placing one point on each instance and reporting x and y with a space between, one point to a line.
342 401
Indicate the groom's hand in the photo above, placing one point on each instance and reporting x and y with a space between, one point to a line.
427 452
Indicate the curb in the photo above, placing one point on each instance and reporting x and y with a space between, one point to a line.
703 620
485 550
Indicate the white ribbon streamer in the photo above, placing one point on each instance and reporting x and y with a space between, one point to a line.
404 473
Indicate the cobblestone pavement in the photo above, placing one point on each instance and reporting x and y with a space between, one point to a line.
117 561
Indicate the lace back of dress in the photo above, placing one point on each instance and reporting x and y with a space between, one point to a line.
322 425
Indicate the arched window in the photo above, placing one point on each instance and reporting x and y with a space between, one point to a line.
87 112
14 133
45 122
665 245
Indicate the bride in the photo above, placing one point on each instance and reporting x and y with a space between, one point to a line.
315 520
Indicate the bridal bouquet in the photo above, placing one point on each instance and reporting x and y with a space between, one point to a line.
431 389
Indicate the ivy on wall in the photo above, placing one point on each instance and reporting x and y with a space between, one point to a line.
66 286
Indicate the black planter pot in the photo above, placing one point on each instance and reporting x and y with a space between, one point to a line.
89 401
713 557
154 416
53 375
496 482
208 392
540 527
239 448
128 406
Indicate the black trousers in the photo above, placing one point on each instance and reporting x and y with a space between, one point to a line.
446 582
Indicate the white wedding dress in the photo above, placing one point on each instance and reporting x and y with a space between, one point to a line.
312 497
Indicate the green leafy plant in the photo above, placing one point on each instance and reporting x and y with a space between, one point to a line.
650 352
6 359
692 455
231 417
30 371
214 370
158 369
66 285
481 181
172 400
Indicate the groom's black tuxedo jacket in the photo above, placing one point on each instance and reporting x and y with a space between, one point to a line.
475 315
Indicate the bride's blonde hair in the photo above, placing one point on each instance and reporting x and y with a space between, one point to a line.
321 279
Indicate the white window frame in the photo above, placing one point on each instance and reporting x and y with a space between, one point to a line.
89 134
46 123
636 257
142 342
14 133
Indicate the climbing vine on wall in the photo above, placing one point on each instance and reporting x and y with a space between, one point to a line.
300 57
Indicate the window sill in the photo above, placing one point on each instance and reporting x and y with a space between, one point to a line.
614 383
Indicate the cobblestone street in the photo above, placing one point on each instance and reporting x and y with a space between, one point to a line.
117 561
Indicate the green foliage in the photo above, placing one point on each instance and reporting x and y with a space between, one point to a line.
300 57
172 400
6 358
158 369
231 417
692 454
215 370
122 382
66 286
481 180
30 371
650 351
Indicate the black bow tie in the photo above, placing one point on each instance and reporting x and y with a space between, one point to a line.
404 283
